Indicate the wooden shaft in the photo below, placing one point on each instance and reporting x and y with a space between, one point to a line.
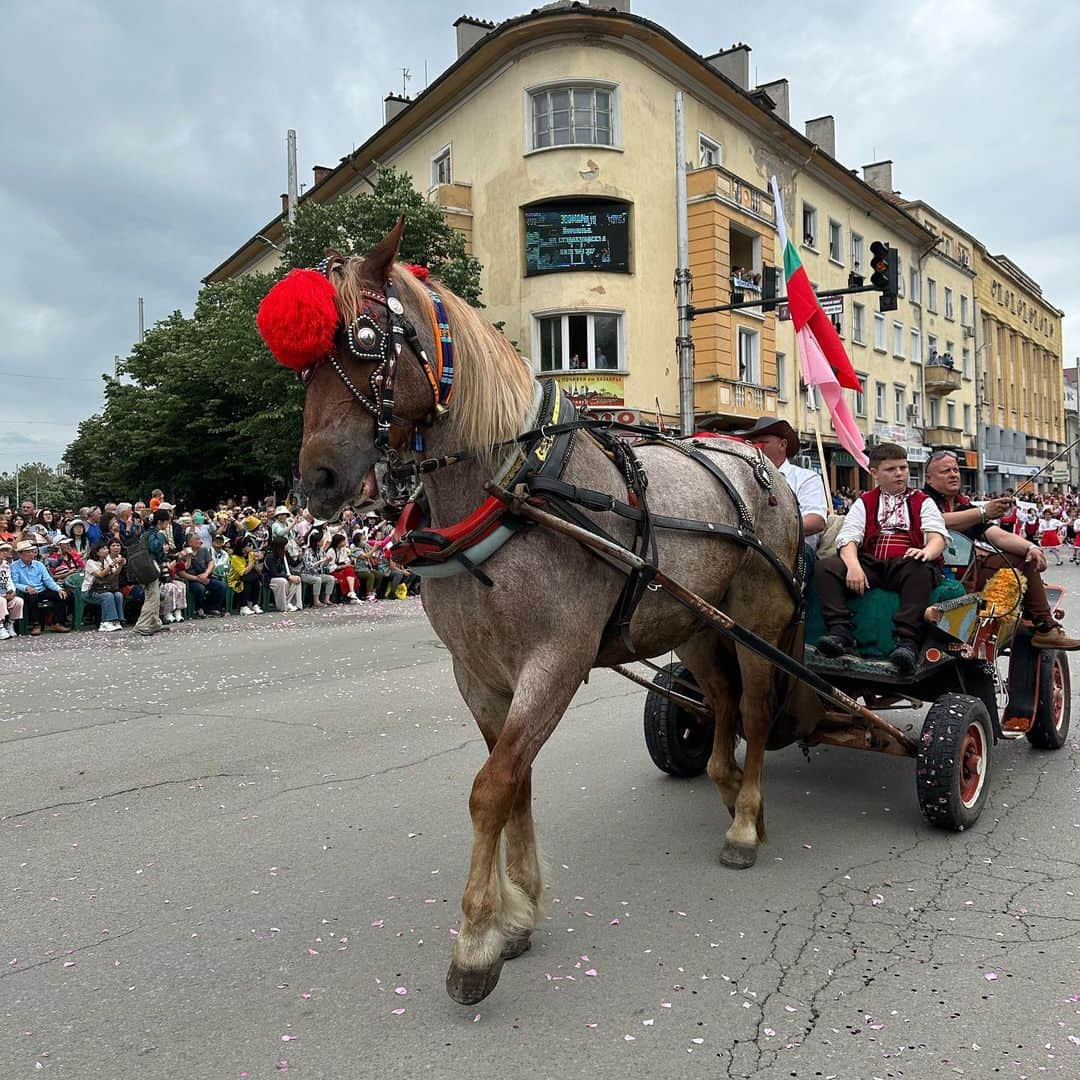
681 700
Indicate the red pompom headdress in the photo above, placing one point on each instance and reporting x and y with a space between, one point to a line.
298 319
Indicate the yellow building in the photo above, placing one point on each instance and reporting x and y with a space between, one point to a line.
1023 382
550 144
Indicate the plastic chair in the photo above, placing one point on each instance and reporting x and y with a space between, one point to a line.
73 583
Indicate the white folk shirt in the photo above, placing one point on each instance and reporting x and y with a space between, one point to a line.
809 490
854 527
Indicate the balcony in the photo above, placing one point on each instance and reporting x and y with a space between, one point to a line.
733 397
943 436
941 379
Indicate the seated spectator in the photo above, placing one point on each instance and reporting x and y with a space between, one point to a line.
342 568
13 531
101 585
315 568
283 581
219 552
48 522
208 592
204 528
93 524
36 586
130 526
65 561
80 541
364 563
245 574
174 590
11 604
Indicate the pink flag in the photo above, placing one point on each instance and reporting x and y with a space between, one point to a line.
817 371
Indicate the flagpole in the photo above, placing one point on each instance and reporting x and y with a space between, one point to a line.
684 343
824 470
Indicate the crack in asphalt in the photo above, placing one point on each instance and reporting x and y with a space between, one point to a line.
116 794
12 972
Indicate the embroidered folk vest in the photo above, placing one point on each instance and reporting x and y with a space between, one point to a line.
892 544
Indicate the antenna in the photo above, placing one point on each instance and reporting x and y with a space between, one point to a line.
406 76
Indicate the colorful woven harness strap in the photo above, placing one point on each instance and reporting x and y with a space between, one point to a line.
444 343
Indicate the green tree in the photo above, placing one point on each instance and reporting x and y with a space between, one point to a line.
42 484
354 224
200 408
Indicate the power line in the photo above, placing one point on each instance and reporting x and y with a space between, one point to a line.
56 378
51 423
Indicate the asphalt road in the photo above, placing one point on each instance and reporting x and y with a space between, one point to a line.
238 850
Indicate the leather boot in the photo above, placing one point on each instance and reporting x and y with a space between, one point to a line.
1054 637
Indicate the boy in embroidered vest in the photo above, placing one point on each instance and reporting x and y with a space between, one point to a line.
892 538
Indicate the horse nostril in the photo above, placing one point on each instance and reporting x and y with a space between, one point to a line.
324 478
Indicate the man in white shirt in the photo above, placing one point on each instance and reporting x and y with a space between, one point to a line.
777 440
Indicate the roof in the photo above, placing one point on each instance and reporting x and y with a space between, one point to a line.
477 63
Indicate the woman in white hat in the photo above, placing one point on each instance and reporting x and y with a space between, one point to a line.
11 605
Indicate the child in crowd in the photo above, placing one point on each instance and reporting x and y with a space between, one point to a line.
11 605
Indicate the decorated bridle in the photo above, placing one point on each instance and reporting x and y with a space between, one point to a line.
301 324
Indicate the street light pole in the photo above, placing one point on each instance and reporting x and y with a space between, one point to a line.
684 343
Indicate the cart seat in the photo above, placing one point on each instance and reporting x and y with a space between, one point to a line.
874 612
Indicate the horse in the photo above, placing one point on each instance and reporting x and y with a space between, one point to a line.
525 629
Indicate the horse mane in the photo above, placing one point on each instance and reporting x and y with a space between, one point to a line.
493 385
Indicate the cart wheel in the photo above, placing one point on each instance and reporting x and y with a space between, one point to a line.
679 742
952 774
1051 727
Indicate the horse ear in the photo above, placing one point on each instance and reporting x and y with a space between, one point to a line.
377 263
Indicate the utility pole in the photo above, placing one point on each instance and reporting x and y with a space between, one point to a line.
290 137
17 467
142 323
684 343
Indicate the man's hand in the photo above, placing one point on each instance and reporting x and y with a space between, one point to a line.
294 579
10 594
1037 556
996 508
31 591
62 593
856 580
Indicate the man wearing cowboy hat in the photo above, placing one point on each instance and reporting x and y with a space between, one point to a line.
777 440
35 584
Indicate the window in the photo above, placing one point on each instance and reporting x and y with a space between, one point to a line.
880 408
899 405
836 242
948 246
899 275
565 115
579 341
966 363
749 356
879 331
967 418
809 225
950 414
931 294
931 344
781 377
965 312
837 320
860 395
857 252
949 304
709 152
898 340
916 407
916 286
935 409
916 347
813 403
858 324
441 169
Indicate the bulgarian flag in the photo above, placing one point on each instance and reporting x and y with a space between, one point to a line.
824 362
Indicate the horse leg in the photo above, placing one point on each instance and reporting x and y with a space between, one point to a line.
748 828
489 709
712 662
497 909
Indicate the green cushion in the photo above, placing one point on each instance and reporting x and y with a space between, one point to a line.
874 612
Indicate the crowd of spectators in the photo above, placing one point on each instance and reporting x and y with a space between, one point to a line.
59 567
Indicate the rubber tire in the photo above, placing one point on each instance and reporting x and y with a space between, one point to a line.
679 742
939 771
1043 734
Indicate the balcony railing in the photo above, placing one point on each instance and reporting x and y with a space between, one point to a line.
940 379
943 436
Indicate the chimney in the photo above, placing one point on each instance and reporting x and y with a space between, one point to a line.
394 104
879 176
734 64
470 31
285 205
822 131
611 5
780 93
321 173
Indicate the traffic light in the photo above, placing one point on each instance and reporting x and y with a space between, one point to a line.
770 287
885 274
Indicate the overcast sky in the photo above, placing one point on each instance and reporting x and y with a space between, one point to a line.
143 142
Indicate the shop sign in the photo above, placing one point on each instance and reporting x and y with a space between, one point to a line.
918 453
833 306
891 432
593 389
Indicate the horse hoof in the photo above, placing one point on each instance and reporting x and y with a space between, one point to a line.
469 987
738 856
516 944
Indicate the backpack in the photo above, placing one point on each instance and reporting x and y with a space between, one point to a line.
142 567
